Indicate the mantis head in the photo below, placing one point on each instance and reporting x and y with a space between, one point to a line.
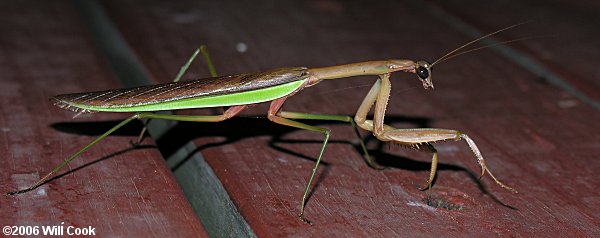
423 70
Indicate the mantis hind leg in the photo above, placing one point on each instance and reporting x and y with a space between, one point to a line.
229 113
73 156
213 73
201 50
232 111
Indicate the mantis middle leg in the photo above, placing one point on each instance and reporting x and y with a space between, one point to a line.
286 118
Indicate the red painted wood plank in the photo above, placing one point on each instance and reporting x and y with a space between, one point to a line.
530 139
44 51
568 27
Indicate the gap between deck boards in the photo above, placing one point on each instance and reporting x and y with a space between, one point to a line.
212 204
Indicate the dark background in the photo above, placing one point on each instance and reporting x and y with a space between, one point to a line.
531 107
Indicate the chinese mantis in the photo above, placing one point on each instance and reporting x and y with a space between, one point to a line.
239 91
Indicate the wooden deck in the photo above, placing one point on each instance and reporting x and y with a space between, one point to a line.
532 107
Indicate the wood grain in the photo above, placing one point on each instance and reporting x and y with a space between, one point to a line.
535 137
121 192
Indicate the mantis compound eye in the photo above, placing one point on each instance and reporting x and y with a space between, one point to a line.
422 72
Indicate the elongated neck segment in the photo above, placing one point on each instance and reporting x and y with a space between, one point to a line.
362 68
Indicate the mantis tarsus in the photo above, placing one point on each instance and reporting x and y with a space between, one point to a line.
277 85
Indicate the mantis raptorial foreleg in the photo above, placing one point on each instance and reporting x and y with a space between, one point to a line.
418 138
275 85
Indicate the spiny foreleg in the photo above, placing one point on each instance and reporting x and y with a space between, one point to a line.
419 138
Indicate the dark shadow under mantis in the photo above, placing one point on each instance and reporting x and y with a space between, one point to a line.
240 128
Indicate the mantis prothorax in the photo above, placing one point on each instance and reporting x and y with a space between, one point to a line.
277 85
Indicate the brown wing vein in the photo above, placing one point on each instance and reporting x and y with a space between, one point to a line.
146 95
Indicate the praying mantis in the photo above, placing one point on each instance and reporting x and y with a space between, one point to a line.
276 86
